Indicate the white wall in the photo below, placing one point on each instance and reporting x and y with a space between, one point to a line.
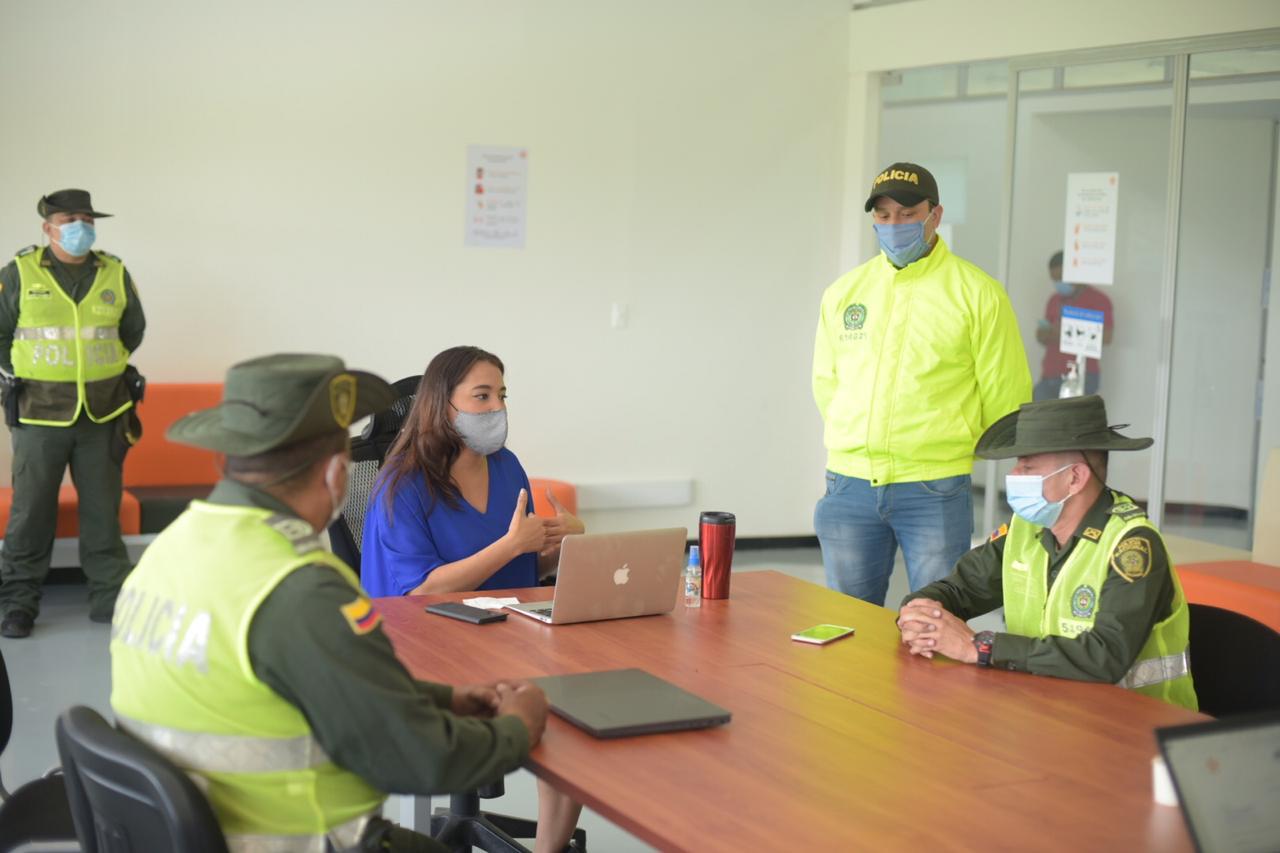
290 176
936 32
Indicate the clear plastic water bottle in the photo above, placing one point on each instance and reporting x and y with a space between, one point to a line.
693 579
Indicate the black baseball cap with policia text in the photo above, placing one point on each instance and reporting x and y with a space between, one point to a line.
905 183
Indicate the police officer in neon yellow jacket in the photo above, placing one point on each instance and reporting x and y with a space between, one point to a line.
248 654
69 319
1084 577
917 352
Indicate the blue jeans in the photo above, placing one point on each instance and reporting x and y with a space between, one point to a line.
860 526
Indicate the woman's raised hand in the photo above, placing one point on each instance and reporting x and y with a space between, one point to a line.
527 532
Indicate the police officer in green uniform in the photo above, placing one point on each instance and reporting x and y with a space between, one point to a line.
248 654
1084 577
69 319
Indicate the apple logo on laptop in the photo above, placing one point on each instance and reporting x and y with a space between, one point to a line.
622 575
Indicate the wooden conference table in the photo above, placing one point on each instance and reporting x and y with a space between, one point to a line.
853 745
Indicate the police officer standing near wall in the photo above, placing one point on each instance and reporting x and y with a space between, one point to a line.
69 319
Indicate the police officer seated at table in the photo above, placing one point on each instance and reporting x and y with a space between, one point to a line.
249 655
1084 577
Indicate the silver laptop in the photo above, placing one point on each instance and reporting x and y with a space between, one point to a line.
613 576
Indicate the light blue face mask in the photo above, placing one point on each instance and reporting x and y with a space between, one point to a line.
1064 288
1025 493
76 237
902 242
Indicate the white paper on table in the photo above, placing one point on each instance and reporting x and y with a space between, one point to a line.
488 603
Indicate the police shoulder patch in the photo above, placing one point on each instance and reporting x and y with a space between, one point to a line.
361 615
1092 533
300 534
1127 510
1131 559
28 250
999 532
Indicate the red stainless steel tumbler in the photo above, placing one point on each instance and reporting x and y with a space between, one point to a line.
716 534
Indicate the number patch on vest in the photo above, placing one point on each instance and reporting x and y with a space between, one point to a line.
1132 559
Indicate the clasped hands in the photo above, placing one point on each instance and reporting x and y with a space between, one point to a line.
927 627
531 533
522 699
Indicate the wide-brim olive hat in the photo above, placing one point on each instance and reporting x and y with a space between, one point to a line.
277 400
1053 426
68 201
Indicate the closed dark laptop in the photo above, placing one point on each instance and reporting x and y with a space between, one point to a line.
625 702
1227 774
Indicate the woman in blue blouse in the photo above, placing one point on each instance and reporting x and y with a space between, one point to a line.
451 511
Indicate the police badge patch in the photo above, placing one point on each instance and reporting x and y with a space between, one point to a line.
109 297
1132 558
854 316
342 398
1083 601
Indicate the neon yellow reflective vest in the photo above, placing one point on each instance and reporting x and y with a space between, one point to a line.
1162 668
911 366
182 679
69 355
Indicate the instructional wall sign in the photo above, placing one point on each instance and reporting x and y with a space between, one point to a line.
497 187
1081 331
1089 245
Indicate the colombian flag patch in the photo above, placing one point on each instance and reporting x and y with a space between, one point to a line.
1002 530
361 616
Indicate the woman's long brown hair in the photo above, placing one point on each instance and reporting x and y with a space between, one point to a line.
428 441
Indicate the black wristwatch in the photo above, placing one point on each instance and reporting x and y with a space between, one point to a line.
983 641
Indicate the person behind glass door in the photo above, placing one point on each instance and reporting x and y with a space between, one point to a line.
1049 329
452 511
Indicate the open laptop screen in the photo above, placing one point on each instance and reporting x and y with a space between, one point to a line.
1227 774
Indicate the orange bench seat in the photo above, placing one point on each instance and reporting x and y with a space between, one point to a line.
69 512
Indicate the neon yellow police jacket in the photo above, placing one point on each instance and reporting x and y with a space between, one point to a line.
910 367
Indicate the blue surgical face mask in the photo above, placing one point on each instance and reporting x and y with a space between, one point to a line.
483 432
903 243
1063 287
76 237
1025 493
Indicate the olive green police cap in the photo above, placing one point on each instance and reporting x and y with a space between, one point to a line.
1053 426
277 400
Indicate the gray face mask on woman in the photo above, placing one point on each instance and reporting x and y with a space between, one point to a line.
483 432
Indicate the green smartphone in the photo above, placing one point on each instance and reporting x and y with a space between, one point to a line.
822 634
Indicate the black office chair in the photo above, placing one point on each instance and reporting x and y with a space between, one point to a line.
367 452
126 797
1235 662
463 825
37 815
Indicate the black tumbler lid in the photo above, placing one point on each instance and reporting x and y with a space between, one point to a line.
717 518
